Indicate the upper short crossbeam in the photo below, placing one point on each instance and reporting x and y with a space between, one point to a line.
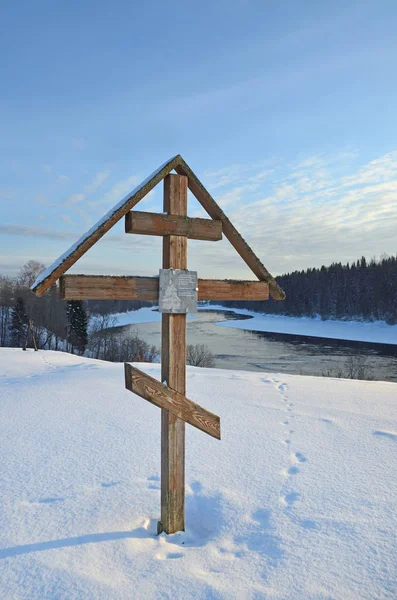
146 223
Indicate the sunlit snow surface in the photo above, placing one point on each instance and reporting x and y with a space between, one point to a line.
363 331
297 501
377 332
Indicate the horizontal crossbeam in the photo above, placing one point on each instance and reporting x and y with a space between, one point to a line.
112 287
146 223
164 397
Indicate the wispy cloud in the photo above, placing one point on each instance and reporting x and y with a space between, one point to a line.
67 219
117 191
89 189
63 179
239 174
32 231
314 213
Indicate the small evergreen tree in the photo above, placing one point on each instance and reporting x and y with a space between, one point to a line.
19 323
77 330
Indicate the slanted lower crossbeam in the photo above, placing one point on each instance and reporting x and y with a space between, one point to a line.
168 399
95 287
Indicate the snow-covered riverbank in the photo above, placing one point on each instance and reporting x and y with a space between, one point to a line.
376 332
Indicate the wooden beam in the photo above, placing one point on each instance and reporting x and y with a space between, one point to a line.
168 399
146 223
112 287
224 289
234 237
173 370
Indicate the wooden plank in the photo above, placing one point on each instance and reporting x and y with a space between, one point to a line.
224 289
173 370
62 264
234 237
103 287
113 287
146 223
168 399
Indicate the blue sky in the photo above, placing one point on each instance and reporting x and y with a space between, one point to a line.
285 110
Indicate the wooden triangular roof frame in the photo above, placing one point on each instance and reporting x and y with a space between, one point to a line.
77 250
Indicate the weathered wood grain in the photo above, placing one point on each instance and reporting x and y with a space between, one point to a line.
234 237
224 289
168 399
108 287
146 223
113 287
173 370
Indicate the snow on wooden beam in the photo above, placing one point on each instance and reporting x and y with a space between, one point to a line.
64 262
175 403
111 287
146 223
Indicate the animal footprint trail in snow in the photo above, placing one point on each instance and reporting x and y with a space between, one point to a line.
288 496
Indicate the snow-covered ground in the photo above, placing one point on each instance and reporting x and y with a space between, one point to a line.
298 500
362 331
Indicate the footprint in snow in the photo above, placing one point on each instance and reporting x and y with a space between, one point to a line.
259 536
109 484
300 457
293 470
308 524
154 482
289 499
168 555
50 500
391 435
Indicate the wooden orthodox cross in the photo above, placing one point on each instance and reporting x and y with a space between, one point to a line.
178 291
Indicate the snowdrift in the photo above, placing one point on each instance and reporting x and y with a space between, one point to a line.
297 501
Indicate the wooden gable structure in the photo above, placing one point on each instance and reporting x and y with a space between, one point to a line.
141 223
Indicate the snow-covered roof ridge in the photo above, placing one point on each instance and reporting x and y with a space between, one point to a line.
48 277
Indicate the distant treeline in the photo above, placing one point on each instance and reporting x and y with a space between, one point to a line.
360 290
49 322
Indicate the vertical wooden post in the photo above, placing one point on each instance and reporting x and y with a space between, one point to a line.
173 371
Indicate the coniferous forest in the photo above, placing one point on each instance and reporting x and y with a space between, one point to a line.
361 290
